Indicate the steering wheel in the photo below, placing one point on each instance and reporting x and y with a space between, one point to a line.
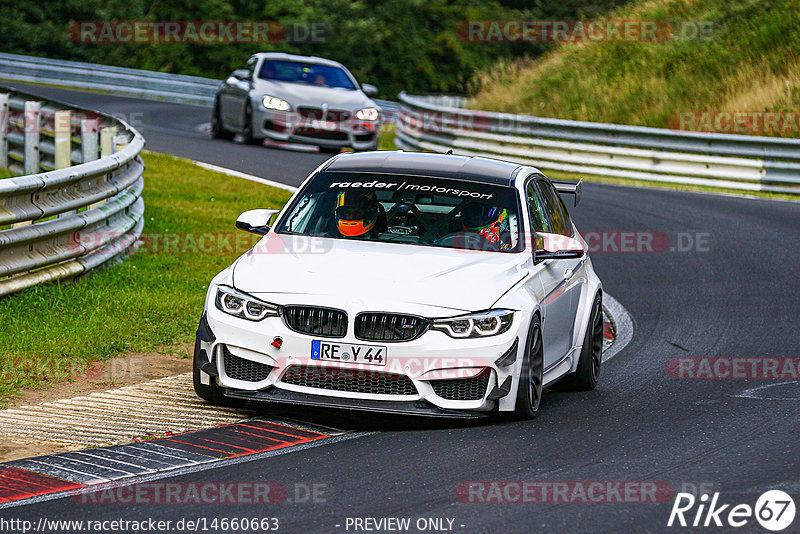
468 240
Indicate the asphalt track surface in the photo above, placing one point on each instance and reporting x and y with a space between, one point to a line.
735 296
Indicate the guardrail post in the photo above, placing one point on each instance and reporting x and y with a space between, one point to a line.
32 122
107 140
62 129
120 142
62 143
107 148
4 110
89 140
32 131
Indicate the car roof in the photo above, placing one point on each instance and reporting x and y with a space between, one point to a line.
281 56
470 168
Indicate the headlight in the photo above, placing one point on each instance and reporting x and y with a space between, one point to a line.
271 102
367 114
482 324
243 305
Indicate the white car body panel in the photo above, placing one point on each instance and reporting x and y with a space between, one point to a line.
395 274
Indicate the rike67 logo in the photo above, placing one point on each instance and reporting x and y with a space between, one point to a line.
774 510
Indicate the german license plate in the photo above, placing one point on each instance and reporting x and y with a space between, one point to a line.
348 353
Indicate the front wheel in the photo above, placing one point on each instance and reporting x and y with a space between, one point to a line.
217 129
529 391
248 136
585 376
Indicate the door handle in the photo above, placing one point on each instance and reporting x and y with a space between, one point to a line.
568 274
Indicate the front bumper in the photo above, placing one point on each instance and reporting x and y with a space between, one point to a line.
291 127
431 367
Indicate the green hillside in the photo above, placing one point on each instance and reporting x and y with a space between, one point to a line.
746 61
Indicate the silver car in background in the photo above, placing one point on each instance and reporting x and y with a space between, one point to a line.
297 99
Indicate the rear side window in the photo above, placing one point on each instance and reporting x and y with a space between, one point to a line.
556 211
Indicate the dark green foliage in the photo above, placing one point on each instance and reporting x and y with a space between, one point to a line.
408 45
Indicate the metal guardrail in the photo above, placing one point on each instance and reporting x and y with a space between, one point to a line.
120 80
74 209
743 162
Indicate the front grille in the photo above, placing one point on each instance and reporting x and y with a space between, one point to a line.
241 369
352 381
317 133
325 322
389 326
333 115
462 388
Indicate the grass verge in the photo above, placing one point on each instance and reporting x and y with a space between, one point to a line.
150 302
386 141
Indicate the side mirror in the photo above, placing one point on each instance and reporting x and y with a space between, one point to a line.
241 74
557 246
255 221
369 89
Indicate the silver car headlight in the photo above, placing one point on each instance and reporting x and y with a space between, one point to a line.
367 114
481 324
242 305
273 102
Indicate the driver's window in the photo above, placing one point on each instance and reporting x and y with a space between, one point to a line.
559 222
539 220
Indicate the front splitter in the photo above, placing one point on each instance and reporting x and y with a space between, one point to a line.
292 398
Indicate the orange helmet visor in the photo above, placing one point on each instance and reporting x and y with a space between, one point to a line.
354 228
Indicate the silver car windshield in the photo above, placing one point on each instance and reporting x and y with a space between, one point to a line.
407 209
305 73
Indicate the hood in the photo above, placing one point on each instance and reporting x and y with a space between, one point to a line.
378 276
312 95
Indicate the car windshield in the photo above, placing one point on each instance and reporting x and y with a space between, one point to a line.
307 73
407 209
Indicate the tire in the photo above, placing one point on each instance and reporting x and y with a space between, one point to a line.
217 131
211 392
247 130
529 391
585 376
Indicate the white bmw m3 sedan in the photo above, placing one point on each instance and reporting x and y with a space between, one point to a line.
407 283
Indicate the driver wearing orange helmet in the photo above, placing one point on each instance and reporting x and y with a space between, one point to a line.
356 213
